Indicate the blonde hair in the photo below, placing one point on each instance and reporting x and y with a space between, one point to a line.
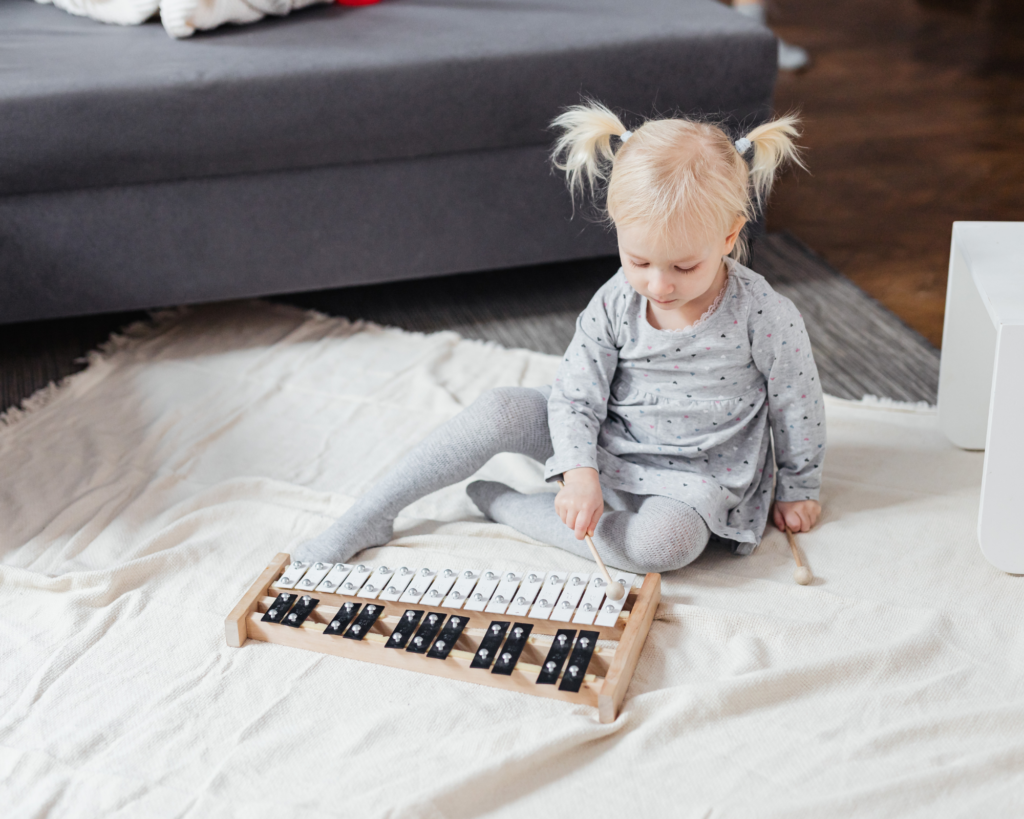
674 172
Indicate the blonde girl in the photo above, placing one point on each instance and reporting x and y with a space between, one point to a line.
683 368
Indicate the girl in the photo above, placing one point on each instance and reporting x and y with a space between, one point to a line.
682 366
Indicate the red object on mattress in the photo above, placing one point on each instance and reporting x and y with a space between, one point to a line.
356 2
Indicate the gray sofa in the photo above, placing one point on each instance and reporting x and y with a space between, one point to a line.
336 146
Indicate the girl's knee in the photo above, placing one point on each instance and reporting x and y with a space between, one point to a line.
501 396
670 540
505 401
673 556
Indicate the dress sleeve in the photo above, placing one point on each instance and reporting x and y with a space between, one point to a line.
796 410
578 403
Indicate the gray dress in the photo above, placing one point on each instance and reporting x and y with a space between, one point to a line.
686 413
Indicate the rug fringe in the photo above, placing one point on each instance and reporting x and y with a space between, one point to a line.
874 402
127 337
893 404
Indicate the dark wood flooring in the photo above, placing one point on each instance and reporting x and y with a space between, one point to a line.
914 114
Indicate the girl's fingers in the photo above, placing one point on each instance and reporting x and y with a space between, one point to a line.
581 526
583 521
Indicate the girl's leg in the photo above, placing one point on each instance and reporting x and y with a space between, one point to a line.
647 533
505 419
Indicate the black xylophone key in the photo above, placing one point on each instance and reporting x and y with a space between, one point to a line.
404 630
297 616
279 608
369 615
514 645
578 661
490 644
342 618
560 648
428 631
448 637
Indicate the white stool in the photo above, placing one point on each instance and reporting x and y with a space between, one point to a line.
981 377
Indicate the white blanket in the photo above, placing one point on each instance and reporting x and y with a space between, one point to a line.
181 18
139 501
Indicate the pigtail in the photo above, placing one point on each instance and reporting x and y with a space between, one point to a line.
584 149
774 145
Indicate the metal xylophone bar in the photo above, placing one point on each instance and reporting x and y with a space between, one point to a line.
452 614
577 597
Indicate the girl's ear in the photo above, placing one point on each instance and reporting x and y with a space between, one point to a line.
734 235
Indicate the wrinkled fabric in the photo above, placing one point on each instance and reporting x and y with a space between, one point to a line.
140 501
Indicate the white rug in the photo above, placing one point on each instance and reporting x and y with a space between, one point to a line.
140 500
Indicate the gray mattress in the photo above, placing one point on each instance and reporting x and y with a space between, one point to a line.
333 146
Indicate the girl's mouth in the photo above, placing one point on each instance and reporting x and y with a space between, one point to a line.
658 301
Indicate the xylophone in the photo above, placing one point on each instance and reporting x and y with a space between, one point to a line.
551 634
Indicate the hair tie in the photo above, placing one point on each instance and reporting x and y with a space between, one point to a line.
743 145
625 135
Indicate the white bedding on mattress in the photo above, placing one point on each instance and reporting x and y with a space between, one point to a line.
139 501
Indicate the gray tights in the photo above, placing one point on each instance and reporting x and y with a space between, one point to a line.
641 533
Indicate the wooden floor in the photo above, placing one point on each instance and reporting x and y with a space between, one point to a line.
914 115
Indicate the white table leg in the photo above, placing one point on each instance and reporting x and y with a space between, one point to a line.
968 358
1002 487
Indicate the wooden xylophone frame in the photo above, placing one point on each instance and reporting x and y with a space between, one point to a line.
604 687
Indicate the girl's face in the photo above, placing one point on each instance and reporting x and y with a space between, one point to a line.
674 270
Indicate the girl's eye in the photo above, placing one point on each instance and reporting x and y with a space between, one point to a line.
686 269
640 264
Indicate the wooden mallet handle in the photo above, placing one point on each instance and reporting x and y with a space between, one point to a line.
615 588
801 574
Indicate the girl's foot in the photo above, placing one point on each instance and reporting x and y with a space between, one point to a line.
533 515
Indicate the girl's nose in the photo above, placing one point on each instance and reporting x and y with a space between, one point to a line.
659 285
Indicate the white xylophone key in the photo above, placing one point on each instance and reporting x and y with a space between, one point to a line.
292 575
335 577
462 589
548 596
376 583
505 593
591 602
575 585
532 583
611 609
418 586
440 587
354 582
398 584
481 596
314 574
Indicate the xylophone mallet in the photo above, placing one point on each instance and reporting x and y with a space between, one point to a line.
801 574
615 588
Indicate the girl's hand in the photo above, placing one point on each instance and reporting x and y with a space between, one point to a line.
797 516
580 503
